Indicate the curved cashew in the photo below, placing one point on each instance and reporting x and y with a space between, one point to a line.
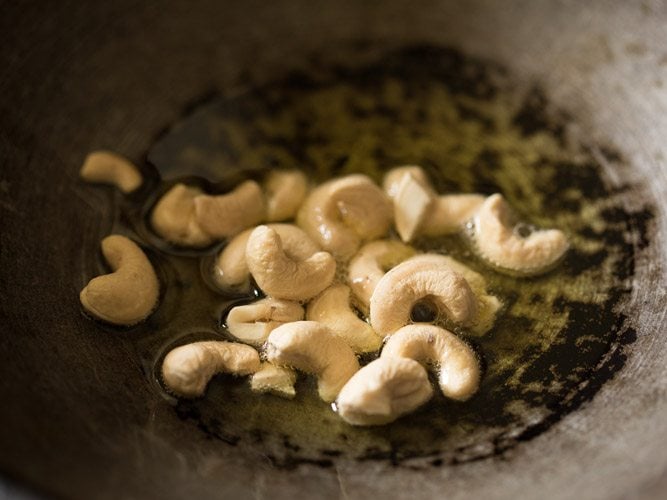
341 214
187 369
449 213
311 347
285 191
372 261
332 308
231 270
457 364
281 276
383 390
278 380
130 293
173 217
106 167
404 285
225 215
252 323
498 242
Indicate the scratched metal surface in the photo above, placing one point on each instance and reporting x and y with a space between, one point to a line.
78 419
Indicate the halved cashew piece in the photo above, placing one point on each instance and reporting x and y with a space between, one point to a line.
231 270
371 263
412 203
278 380
487 305
173 217
130 292
285 191
252 323
498 241
187 369
332 308
106 167
456 363
343 213
311 347
383 390
410 281
225 215
281 276
394 177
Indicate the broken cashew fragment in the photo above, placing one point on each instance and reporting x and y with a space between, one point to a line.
231 270
343 213
371 263
278 380
187 369
285 191
332 308
105 167
383 390
225 215
497 241
173 217
252 323
394 177
456 364
281 276
410 281
311 347
130 292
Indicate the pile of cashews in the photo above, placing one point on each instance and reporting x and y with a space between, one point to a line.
336 280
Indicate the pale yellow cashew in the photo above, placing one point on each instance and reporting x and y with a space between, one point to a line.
449 213
497 241
343 213
278 380
130 292
187 370
383 390
281 276
105 167
173 217
394 177
455 362
313 348
332 308
285 191
252 323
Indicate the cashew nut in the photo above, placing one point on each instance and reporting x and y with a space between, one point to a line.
311 347
498 241
187 369
372 261
106 167
130 292
252 323
412 201
281 276
231 270
449 213
173 217
285 191
404 285
383 390
343 213
225 215
456 363
394 177
332 308
278 380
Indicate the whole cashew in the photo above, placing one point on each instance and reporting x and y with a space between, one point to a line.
106 167
130 292
383 390
278 380
187 369
332 308
341 214
285 191
252 323
371 263
404 285
231 270
311 347
283 277
173 217
497 241
457 365
450 212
